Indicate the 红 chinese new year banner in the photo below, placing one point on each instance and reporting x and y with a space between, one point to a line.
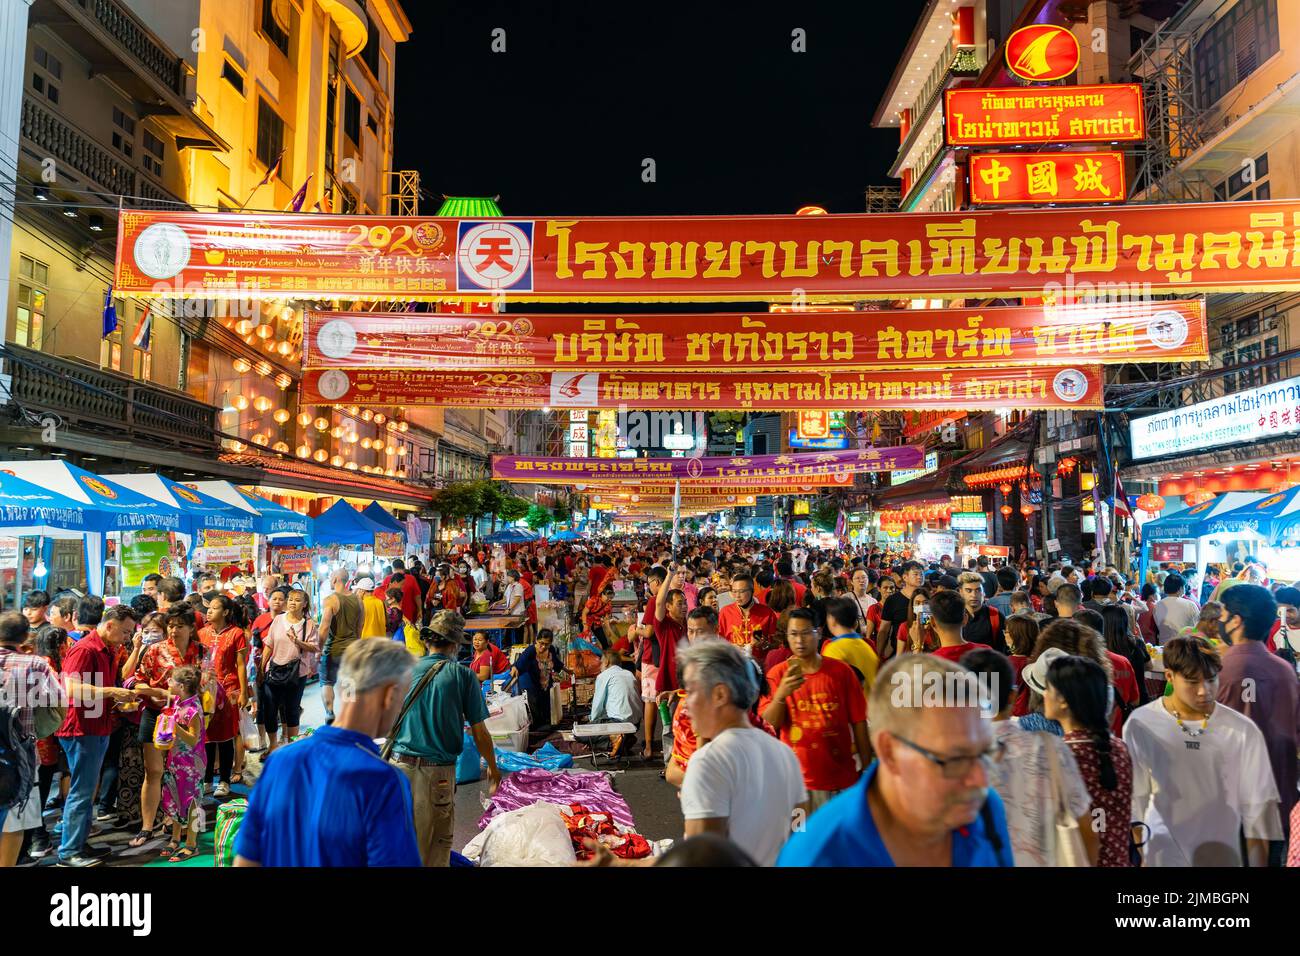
1197 247
1076 387
792 467
1106 332
1006 116
1006 178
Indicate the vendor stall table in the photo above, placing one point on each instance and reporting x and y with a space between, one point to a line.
494 622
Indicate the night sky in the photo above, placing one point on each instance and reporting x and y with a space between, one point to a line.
737 123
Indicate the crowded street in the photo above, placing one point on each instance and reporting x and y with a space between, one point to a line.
449 440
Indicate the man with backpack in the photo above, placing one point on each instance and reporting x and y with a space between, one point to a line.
32 704
428 735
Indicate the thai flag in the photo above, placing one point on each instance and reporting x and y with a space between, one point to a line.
143 330
300 197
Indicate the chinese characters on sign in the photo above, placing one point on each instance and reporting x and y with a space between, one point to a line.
1269 411
1007 178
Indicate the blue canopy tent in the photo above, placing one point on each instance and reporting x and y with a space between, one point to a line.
343 524
108 507
28 509
566 535
202 511
1191 524
510 536
379 515
1262 517
282 525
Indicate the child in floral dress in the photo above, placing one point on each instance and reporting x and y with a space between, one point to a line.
180 730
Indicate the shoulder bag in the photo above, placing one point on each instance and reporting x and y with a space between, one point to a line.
1070 849
283 675
411 698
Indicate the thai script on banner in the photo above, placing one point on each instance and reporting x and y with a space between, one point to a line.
841 464
1198 247
1102 332
976 116
1067 387
1264 412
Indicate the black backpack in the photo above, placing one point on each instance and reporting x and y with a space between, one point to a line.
18 764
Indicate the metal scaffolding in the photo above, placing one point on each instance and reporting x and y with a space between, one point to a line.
883 198
1165 65
404 196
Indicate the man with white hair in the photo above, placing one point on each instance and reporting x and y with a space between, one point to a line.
743 784
926 801
330 800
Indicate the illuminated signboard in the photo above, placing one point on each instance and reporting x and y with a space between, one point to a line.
1005 116
836 441
813 424
969 521
1009 178
1270 411
931 466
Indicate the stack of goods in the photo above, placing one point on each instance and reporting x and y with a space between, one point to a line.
623 842
591 790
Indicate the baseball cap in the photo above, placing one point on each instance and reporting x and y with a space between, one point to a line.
363 584
1034 676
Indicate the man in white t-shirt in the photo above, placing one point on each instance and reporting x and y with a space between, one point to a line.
1201 775
1174 612
743 784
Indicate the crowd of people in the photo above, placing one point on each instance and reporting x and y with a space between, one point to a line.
813 707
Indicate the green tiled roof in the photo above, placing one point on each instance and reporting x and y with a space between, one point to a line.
468 207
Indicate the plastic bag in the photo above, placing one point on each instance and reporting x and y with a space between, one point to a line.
469 765
545 757
248 730
531 836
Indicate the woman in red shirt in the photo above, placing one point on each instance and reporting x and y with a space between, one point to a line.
226 642
926 638
488 659
153 674
1021 634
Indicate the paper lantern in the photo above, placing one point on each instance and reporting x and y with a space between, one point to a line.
337 461
336 431
237 446
322 424
262 403
352 410
379 418
365 443
1005 488
1066 466
304 451
264 367
1151 503
367 415
261 439
284 348
265 331
321 455
402 426
1198 498
352 466
401 451
241 365
350 438
281 446
281 416
240 402
1026 510
1006 511
304 418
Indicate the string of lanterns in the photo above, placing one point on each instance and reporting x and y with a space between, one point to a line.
996 476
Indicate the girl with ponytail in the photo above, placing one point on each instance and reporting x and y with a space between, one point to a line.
1078 695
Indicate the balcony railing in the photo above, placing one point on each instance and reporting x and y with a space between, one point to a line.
121 24
52 135
111 405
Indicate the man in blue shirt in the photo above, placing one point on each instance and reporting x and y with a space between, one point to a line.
926 799
330 800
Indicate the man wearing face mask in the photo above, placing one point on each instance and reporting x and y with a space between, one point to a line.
1263 687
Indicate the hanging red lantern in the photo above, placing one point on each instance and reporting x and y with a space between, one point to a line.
1005 488
1006 511
1194 498
1026 510
1152 503
1066 466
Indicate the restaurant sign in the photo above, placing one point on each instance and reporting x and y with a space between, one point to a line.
1039 115
1266 412
1018 178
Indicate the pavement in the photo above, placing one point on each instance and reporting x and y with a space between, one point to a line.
653 803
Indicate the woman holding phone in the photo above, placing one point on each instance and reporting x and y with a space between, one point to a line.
916 635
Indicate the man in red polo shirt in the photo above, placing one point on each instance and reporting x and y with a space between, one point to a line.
88 679
410 590
745 619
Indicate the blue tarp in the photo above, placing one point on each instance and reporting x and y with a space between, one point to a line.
510 536
1266 516
565 535
376 513
109 506
343 524
28 509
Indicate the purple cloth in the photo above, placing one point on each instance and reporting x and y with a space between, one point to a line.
807 465
526 787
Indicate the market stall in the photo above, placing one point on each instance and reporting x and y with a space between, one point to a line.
31 512
109 507
1190 528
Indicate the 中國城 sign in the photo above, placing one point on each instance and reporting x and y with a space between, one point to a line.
1101 332
1011 178
1195 247
1268 411
1070 386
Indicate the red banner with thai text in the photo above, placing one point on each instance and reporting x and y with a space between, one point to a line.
1244 246
1075 386
1105 332
1010 115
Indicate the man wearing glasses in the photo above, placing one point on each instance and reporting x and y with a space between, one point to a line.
926 801
745 621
